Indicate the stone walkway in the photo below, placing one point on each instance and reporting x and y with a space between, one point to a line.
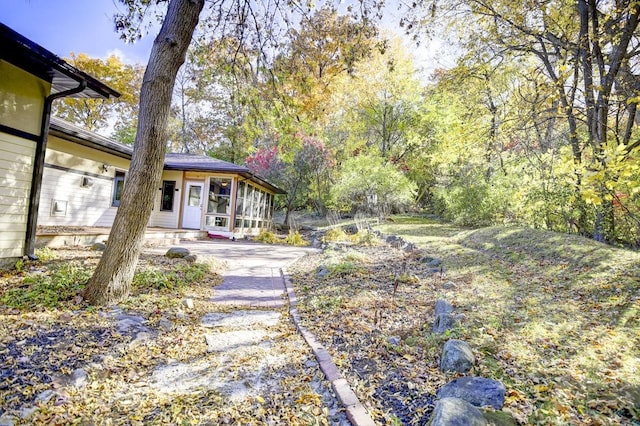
253 280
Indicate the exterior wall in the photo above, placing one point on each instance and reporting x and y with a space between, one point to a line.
21 104
249 214
16 168
66 198
21 98
168 219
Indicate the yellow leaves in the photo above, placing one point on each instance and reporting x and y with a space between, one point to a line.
310 399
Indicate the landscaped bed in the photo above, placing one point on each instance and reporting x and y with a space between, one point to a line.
555 318
145 360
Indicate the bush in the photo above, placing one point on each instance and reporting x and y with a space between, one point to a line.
61 284
45 254
335 234
368 183
179 277
366 238
267 237
295 239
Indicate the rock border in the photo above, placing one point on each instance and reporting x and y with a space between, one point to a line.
356 412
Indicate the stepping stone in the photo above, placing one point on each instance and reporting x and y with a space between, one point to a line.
220 342
241 319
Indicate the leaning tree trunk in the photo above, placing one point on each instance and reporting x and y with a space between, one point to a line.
111 280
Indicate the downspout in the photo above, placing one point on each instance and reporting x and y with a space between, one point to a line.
38 168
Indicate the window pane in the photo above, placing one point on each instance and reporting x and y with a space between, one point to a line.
240 198
248 201
217 221
168 191
194 195
118 187
219 196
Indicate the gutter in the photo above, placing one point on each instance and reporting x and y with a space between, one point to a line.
38 168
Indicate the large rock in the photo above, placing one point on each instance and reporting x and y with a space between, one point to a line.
444 323
456 412
457 357
478 391
177 252
443 307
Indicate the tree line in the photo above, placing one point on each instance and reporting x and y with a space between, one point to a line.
536 124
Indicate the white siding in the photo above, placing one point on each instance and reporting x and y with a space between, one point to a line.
166 219
84 206
16 168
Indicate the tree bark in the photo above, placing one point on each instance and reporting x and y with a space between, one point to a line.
112 278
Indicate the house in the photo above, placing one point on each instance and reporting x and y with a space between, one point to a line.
53 173
84 174
31 78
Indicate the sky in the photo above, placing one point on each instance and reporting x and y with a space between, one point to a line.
78 26
86 26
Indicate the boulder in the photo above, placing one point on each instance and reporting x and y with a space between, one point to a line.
478 391
499 418
443 307
431 262
444 323
449 285
322 272
177 253
456 412
191 258
188 303
457 357
99 247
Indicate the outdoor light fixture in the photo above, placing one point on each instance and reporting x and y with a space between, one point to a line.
105 167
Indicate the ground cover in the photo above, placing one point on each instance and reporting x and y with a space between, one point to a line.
554 317
146 360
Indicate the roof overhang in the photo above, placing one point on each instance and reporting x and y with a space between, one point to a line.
23 53
68 131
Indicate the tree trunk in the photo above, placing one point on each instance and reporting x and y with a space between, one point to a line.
111 280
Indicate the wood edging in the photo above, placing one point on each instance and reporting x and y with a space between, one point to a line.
356 412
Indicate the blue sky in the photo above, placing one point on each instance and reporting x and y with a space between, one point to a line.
86 26
79 26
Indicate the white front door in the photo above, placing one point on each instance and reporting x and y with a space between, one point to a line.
192 212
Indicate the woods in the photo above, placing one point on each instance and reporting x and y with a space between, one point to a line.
535 125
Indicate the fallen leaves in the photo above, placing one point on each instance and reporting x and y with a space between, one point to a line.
556 318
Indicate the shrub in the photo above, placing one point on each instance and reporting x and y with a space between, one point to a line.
295 239
179 277
267 237
61 284
366 238
45 254
335 234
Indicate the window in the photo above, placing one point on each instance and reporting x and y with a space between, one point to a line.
194 195
168 191
240 199
219 196
118 186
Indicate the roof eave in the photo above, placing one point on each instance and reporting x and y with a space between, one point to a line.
34 58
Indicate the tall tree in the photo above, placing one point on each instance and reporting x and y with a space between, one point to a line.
95 115
111 280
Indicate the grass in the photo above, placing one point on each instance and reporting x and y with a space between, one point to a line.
556 317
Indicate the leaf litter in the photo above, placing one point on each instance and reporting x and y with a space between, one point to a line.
145 360
555 317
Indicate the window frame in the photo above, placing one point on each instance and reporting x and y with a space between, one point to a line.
120 176
171 193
